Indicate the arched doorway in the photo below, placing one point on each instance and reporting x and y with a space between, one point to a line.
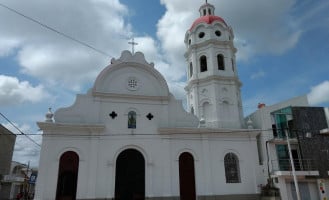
186 177
130 176
67 176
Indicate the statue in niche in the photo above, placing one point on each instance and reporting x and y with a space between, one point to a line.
132 119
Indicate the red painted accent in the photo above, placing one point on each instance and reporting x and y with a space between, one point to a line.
208 19
261 105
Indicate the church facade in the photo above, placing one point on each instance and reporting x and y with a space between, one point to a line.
129 138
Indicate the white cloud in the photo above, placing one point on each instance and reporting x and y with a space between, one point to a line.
256 75
7 46
12 91
55 59
319 93
101 23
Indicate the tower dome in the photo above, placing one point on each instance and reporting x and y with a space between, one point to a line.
207 16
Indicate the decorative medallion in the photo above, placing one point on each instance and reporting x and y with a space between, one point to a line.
132 83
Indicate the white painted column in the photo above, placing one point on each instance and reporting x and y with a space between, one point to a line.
166 167
206 167
93 166
282 185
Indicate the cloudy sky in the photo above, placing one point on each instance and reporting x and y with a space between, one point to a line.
282 46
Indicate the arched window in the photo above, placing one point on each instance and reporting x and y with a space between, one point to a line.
232 170
192 110
191 69
220 61
132 119
203 63
232 64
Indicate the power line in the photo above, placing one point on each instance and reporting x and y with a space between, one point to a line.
57 31
21 132
206 133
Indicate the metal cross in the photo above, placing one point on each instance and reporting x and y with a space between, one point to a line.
133 43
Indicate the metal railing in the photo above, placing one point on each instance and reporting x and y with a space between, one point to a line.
300 165
13 178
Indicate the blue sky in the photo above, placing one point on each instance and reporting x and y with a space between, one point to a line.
282 51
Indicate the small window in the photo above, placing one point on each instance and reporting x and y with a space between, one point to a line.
201 34
189 42
220 62
275 133
132 119
204 12
209 11
218 33
232 171
192 110
232 64
191 69
203 64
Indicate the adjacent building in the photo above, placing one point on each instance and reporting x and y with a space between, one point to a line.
7 143
307 130
20 181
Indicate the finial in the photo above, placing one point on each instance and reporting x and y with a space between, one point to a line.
133 43
206 1
250 124
202 122
49 116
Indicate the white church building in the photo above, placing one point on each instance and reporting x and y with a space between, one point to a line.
128 138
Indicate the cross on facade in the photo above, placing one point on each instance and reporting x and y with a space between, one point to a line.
133 43
149 116
113 115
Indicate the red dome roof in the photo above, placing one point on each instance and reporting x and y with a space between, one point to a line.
209 19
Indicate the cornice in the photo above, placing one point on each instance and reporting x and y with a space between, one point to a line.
212 78
228 44
210 132
127 96
58 127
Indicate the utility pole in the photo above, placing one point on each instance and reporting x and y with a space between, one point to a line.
292 166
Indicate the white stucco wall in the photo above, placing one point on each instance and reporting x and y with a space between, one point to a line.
87 129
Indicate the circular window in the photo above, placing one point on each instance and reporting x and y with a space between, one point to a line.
132 83
201 34
218 33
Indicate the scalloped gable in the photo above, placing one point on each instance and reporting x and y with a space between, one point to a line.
114 79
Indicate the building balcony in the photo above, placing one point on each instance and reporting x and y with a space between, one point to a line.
303 167
12 178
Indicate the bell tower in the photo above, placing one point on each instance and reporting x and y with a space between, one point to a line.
213 85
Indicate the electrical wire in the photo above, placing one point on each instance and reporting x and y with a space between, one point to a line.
178 134
19 130
56 31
